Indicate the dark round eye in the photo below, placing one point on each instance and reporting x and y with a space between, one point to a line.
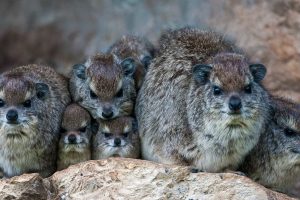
83 129
93 95
1 103
120 93
217 91
62 130
27 104
107 135
125 134
289 132
248 89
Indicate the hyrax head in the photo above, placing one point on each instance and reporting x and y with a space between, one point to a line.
22 105
231 89
105 86
76 129
117 133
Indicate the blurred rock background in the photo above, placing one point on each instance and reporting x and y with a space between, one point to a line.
61 33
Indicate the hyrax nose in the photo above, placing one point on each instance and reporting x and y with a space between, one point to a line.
117 142
235 103
107 112
72 139
12 116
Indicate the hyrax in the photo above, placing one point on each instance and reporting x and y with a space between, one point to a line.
275 161
104 86
116 138
201 103
138 48
32 100
76 133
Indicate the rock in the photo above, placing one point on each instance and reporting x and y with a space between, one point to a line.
119 178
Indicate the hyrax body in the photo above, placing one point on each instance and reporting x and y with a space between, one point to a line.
32 100
201 103
75 141
275 161
117 137
138 48
104 86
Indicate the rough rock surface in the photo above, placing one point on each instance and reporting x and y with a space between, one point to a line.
118 178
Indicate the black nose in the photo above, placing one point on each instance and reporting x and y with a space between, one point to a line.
107 113
72 139
235 103
117 141
12 116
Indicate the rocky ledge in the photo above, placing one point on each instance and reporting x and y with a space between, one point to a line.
119 178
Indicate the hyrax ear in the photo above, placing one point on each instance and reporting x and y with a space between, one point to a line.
79 70
146 61
201 73
128 66
258 71
42 90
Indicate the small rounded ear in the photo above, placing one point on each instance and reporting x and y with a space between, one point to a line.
42 90
79 70
146 61
258 71
201 73
128 66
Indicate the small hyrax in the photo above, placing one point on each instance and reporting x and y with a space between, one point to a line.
75 141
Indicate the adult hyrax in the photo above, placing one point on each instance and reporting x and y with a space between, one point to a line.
138 48
32 100
118 137
76 133
201 103
104 86
275 161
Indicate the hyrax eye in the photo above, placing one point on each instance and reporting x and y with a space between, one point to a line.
107 135
82 129
93 95
2 103
248 89
27 104
62 130
217 91
120 93
289 132
125 134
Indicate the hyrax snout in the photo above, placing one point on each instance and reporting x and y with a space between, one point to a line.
104 86
75 141
118 137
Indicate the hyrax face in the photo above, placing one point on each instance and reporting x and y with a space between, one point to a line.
76 129
21 104
104 86
232 93
117 137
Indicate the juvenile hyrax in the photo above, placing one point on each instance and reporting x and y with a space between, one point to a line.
275 161
201 103
138 48
104 86
76 133
32 100
118 137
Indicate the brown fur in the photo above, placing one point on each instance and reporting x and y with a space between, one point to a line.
181 121
30 145
75 118
104 147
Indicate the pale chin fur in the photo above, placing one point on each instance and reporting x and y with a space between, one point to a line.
110 151
75 147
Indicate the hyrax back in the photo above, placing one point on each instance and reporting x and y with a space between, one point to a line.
75 140
117 137
201 102
275 161
32 99
138 48
104 86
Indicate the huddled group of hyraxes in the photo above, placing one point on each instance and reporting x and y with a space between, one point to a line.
193 100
